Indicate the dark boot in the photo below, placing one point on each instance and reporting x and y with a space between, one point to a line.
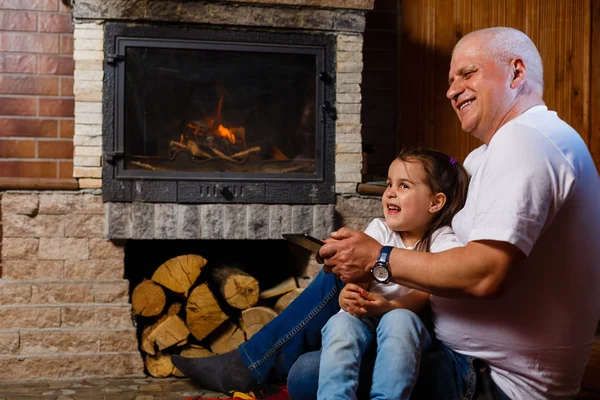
223 373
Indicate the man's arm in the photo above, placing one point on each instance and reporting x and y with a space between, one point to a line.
478 269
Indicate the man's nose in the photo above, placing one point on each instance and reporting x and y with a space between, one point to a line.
453 91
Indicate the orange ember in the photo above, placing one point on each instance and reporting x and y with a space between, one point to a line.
226 133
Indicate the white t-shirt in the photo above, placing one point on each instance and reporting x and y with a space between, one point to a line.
442 239
535 186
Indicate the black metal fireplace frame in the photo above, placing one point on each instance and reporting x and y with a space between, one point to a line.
154 186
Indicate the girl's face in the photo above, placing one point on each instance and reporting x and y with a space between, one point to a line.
408 203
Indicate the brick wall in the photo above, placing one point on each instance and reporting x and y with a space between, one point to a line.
36 90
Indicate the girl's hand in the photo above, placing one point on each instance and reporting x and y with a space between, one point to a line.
362 303
348 297
370 304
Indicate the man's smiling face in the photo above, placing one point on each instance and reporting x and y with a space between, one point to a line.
479 90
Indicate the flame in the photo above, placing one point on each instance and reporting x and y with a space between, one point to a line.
181 138
226 133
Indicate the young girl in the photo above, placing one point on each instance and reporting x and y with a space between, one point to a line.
425 189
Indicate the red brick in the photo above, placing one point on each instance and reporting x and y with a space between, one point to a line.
28 169
40 5
28 42
19 63
67 128
28 127
18 21
56 23
65 169
66 86
56 65
28 85
13 148
66 44
17 106
62 7
57 107
55 149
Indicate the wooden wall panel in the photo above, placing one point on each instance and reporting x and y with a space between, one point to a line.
594 96
562 30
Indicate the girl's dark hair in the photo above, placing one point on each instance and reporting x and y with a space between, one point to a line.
443 174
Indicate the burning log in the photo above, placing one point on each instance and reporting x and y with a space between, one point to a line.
239 289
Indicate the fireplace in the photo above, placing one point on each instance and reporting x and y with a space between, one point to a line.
215 116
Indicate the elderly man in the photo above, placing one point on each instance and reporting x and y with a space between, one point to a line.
521 298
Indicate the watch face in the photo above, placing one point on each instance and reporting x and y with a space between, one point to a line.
381 273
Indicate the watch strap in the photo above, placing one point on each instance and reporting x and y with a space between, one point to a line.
384 254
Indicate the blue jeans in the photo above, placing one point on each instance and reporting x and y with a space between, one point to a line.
400 337
271 352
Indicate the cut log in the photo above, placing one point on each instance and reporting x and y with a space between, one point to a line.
283 287
168 331
203 312
160 365
179 273
148 299
239 289
192 351
228 337
286 299
174 309
253 319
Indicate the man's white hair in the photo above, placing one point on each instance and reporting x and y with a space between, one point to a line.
505 43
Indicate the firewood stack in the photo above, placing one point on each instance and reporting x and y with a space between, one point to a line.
183 310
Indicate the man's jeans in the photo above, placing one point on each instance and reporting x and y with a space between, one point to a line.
272 351
399 337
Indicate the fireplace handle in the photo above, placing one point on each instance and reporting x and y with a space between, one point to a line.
110 156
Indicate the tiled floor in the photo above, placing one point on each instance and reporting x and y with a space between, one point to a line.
106 389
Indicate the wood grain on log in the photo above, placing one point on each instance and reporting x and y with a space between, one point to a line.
239 289
203 312
148 299
168 331
226 338
179 273
286 299
253 319
283 287
159 365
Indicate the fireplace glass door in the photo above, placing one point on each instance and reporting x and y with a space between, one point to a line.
197 109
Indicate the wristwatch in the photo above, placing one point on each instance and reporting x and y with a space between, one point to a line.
381 269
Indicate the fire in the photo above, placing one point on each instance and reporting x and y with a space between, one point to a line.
226 133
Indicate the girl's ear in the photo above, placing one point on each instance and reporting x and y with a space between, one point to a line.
438 201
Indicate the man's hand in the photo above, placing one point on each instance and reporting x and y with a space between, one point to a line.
362 303
350 256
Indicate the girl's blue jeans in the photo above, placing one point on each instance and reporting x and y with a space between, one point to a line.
399 337
293 339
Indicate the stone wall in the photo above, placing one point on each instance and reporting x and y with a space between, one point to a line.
64 304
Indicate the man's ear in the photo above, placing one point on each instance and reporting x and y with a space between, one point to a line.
438 201
519 72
